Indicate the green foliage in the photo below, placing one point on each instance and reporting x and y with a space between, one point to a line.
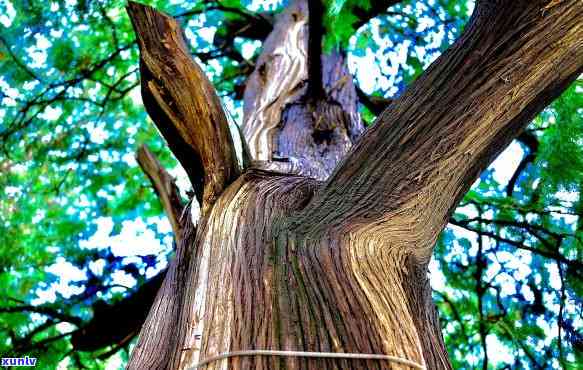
530 249
562 141
337 33
71 119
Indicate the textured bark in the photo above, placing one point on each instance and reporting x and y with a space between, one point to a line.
258 285
513 59
157 342
286 126
183 104
287 262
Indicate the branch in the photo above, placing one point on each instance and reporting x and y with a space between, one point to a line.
560 319
246 157
43 99
116 324
249 26
17 61
520 343
408 172
574 264
480 290
366 13
518 224
245 16
42 344
531 142
26 341
525 161
161 330
183 104
453 307
298 99
164 186
502 204
275 82
43 310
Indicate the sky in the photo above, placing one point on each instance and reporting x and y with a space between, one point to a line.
137 239
137 236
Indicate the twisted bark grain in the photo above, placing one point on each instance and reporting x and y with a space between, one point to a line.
429 146
287 262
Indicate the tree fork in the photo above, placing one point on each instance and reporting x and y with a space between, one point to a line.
455 118
185 108
300 109
286 262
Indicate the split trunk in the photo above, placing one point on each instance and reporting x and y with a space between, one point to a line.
319 240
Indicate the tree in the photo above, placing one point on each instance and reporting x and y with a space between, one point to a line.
320 237
329 250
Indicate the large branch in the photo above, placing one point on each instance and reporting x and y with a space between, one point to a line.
120 322
164 186
183 104
406 175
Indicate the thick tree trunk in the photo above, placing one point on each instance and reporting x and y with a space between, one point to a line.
328 250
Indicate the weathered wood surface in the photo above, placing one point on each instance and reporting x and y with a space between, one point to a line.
281 261
183 104
282 123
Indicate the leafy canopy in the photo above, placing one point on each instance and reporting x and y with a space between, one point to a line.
80 225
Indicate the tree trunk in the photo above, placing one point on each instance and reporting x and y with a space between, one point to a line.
322 244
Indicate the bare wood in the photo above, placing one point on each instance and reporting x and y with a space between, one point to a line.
262 108
183 104
164 186
405 176
281 123
283 262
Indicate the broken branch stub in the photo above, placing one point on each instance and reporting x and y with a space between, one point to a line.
183 104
